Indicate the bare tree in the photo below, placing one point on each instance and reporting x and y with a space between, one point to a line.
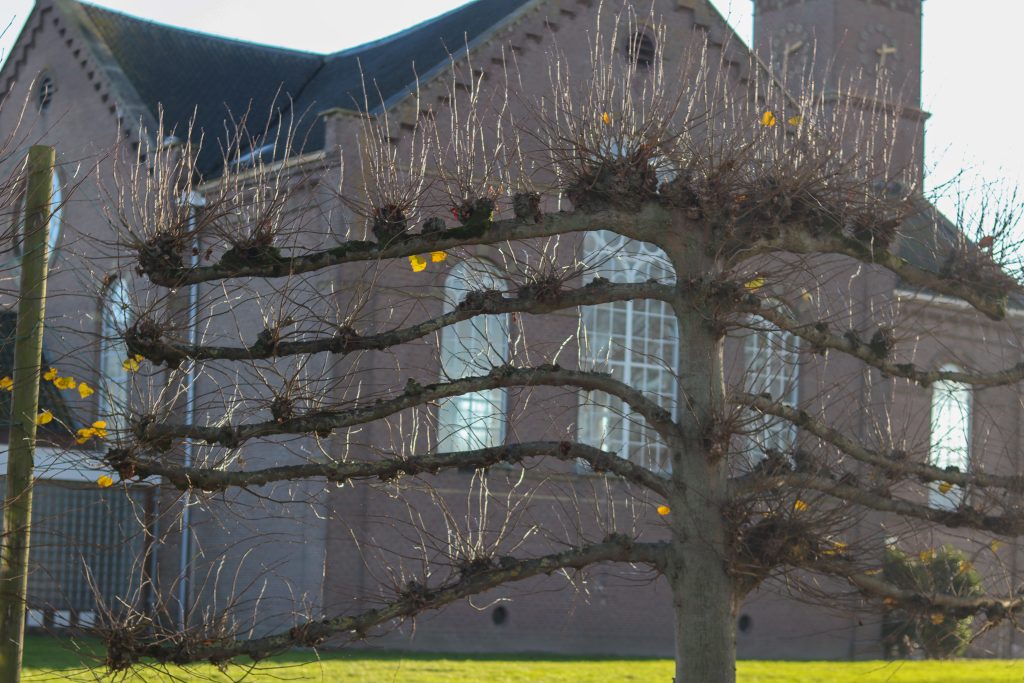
286 360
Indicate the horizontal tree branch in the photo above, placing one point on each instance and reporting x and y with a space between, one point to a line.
963 516
874 585
892 464
819 336
347 340
323 422
182 648
986 298
625 222
387 469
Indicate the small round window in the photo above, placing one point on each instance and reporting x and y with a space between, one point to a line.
640 49
44 92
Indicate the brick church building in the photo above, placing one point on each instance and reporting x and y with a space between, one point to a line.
93 78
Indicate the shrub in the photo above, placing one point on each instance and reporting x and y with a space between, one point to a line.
939 633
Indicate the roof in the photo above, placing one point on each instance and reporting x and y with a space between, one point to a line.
213 81
927 238
49 396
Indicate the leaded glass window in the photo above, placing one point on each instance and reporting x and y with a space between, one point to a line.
771 356
472 347
950 438
115 378
636 341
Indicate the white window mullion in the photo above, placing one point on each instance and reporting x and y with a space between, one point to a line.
950 438
627 377
472 347
771 366
627 349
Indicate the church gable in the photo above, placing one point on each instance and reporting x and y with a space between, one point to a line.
75 100
187 78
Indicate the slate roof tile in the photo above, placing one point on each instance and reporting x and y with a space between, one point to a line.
217 80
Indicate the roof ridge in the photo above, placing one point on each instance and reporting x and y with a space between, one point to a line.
468 46
199 33
349 51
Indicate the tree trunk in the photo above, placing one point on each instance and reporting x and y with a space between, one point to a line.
703 592
703 599
28 346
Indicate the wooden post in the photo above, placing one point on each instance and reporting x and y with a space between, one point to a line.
28 347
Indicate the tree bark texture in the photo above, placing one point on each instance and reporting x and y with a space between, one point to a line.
28 347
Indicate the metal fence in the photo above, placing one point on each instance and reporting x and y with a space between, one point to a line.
86 550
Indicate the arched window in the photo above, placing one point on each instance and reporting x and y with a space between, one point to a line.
640 49
53 226
950 438
115 378
771 357
472 347
44 92
637 341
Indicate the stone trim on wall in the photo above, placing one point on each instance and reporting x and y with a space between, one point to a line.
909 6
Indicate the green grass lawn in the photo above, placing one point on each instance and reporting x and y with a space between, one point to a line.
51 660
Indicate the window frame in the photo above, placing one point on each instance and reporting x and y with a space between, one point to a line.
783 350
113 354
54 226
602 420
941 452
459 417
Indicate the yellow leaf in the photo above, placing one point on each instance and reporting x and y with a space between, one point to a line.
944 487
438 256
794 120
664 510
964 567
873 572
84 434
927 555
105 482
938 618
6 384
139 357
995 546
50 375
838 547
99 424
755 284
84 390
131 365
44 418
418 263
806 296
800 505
606 118
768 119
65 383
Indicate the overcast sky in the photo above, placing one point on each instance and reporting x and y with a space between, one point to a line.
971 58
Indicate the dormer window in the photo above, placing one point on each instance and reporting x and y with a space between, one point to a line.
640 50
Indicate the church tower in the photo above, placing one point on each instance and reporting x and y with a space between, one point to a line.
869 50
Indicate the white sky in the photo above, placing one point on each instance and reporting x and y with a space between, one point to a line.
970 59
